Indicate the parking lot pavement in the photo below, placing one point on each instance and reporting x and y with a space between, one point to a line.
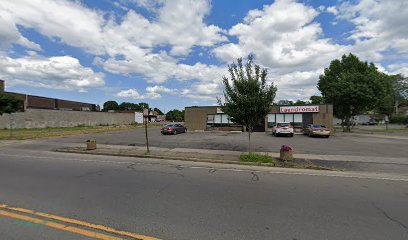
339 144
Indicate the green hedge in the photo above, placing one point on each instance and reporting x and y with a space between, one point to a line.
399 119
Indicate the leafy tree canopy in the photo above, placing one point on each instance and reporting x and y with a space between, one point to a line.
175 115
110 105
143 105
285 102
300 102
158 111
128 106
316 100
248 97
9 104
352 86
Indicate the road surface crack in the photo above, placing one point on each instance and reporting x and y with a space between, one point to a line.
390 218
255 177
99 173
132 167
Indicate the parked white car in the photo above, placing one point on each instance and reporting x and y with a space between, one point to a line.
282 128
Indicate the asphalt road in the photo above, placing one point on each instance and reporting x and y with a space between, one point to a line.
339 144
198 201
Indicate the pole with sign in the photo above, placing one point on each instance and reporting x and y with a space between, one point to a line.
11 124
145 116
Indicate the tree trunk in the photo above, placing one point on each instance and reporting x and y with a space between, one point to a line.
249 141
347 123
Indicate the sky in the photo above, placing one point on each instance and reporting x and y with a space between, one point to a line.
172 54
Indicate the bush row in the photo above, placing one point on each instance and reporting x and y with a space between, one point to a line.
399 119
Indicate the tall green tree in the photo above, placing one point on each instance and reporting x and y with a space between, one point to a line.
400 90
158 111
248 97
397 92
130 106
300 102
143 105
285 102
316 99
110 105
352 86
9 104
175 115
386 105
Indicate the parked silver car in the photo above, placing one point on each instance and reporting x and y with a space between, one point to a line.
283 128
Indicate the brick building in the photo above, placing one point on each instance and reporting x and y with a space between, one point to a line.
212 118
37 102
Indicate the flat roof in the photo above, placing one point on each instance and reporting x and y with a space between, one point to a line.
271 105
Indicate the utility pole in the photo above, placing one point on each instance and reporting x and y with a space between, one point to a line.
145 116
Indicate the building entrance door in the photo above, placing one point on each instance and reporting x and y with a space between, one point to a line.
260 127
307 119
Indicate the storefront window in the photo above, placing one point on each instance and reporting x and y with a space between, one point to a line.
219 120
280 117
297 120
289 118
210 120
271 120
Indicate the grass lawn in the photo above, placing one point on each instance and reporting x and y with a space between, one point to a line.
22 134
254 157
392 130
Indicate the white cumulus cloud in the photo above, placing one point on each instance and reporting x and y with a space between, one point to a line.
61 72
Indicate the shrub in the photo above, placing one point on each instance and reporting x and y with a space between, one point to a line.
399 118
253 157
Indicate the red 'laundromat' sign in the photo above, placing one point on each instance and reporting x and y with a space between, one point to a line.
299 109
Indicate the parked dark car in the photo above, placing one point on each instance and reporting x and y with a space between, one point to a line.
173 129
316 130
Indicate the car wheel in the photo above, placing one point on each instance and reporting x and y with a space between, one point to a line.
327 136
291 135
308 134
185 130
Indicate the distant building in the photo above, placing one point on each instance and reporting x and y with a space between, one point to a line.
161 118
37 102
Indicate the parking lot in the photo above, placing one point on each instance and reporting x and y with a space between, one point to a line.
338 144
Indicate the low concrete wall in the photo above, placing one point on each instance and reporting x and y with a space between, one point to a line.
35 118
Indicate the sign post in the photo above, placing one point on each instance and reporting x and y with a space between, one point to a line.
145 116
11 124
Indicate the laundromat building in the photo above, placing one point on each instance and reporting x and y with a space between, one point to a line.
212 118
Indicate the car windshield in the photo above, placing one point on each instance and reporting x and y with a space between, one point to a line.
283 124
319 126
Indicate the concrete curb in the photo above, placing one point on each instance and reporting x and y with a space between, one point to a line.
206 160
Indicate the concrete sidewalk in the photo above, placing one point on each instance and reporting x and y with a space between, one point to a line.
335 162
